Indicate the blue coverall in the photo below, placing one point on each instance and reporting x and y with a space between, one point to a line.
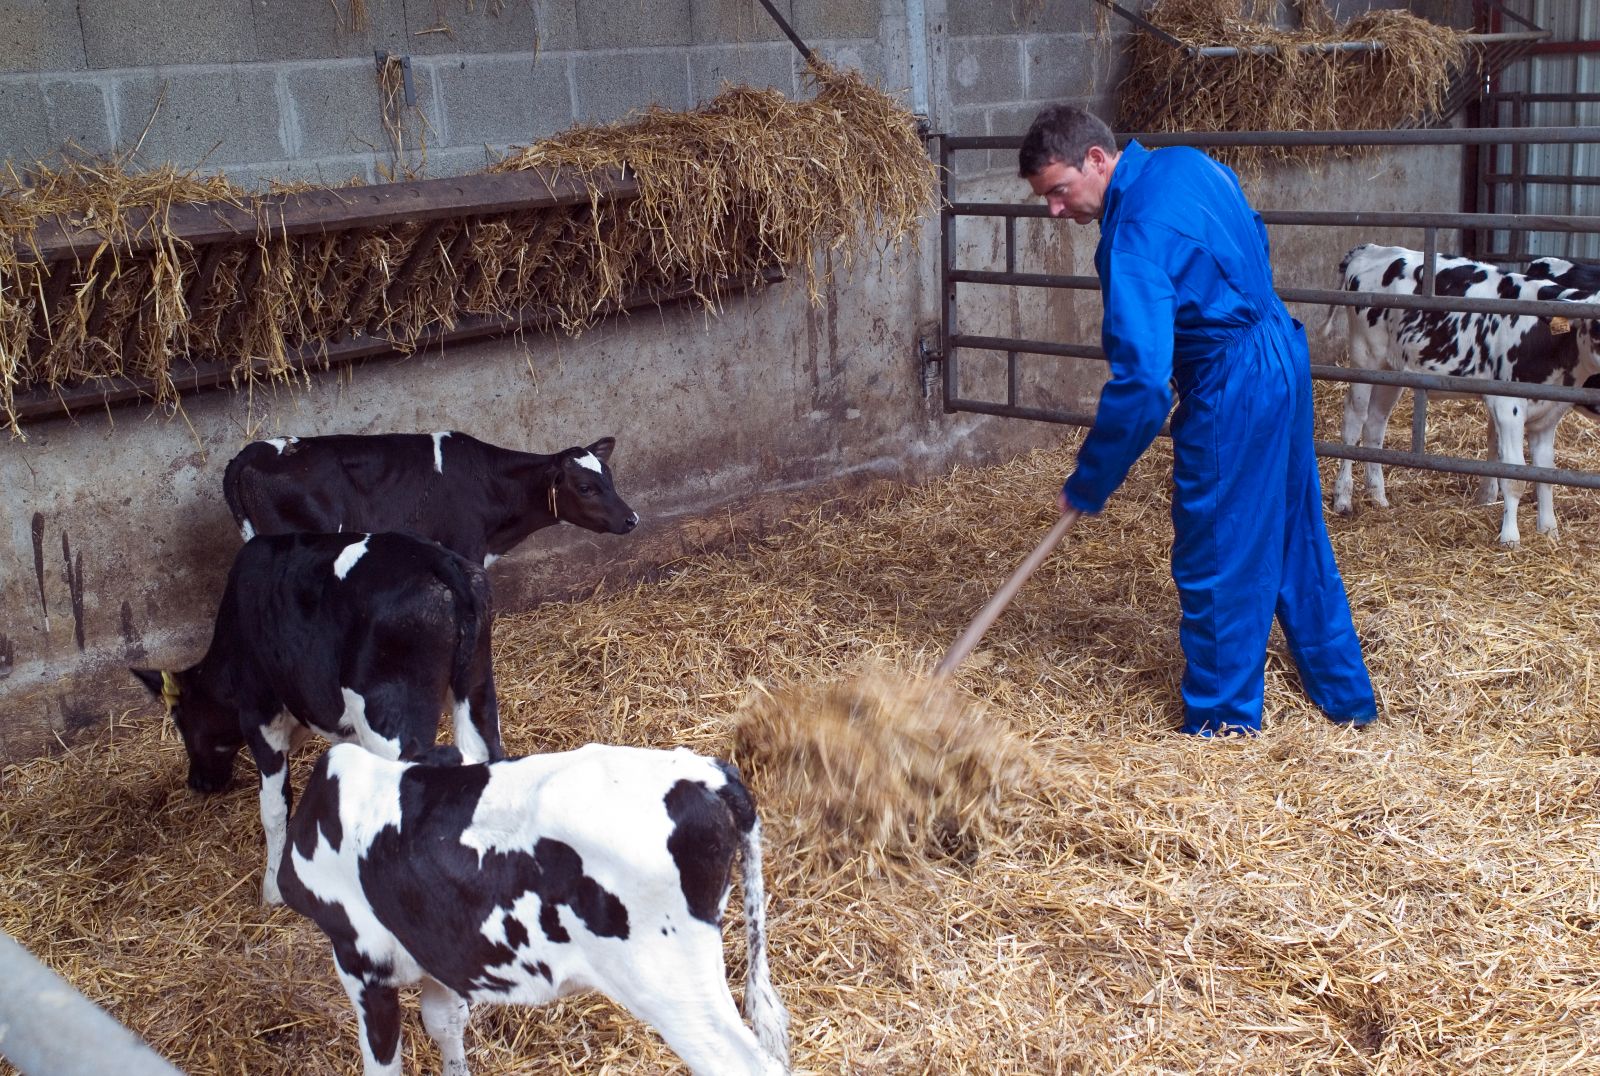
1186 281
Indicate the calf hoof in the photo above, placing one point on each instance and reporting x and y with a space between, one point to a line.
1510 544
270 894
1347 509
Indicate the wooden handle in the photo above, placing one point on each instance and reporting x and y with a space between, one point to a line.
967 641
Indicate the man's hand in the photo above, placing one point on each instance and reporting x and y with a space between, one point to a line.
1061 501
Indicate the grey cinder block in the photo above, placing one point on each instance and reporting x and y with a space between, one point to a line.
510 27
985 70
752 65
40 35
623 24
824 20
218 116
499 99
321 29
150 33
610 85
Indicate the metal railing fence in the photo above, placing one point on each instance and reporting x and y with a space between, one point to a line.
954 341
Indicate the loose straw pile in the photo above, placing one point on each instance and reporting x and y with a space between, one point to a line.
1418 897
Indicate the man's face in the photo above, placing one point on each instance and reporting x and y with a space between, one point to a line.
1075 191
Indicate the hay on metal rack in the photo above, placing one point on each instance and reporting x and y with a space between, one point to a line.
878 765
749 182
1285 87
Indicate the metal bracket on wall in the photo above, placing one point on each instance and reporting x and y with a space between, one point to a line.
931 356
382 57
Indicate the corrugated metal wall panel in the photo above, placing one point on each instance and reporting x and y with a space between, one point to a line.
1576 73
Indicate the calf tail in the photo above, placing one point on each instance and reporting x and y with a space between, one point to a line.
474 613
762 1005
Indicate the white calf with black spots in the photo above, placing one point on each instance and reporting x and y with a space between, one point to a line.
1487 346
363 638
520 881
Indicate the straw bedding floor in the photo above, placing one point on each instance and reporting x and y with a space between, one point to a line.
1422 896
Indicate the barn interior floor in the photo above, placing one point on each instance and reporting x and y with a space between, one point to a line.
1422 895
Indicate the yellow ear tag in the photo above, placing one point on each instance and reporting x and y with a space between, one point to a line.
1560 325
169 690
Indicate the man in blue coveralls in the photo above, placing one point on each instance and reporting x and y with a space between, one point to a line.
1186 284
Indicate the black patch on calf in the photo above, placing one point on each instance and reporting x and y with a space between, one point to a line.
539 968
434 893
318 813
380 1005
1394 272
703 845
516 933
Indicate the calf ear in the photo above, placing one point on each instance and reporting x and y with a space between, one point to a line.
160 683
601 449
150 678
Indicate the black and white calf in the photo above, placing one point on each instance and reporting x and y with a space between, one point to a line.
470 496
516 882
1489 346
363 637
1584 277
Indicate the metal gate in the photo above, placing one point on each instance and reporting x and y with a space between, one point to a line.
954 342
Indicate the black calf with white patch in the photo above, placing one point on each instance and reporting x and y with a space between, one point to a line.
1489 346
516 882
352 636
468 495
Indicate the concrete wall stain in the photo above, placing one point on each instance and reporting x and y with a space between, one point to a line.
38 566
72 572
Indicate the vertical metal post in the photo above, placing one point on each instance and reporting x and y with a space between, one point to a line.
1011 267
947 261
1419 397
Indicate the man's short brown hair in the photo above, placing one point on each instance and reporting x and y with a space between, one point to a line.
1062 133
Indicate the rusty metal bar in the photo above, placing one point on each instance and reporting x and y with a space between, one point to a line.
947 261
1546 308
1335 218
1449 136
401 281
211 373
322 211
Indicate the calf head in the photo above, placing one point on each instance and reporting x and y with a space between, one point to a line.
210 730
581 491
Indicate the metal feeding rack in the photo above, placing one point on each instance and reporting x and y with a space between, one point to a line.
1487 55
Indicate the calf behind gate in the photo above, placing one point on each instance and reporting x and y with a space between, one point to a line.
468 495
605 868
353 636
1489 346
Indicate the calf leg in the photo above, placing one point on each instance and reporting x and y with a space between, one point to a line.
1542 445
445 1015
1379 408
680 988
378 1019
1508 415
1488 487
1355 416
269 746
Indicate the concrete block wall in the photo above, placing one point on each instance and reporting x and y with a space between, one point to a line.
267 89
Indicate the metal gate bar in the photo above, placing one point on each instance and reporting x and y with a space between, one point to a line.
954 341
